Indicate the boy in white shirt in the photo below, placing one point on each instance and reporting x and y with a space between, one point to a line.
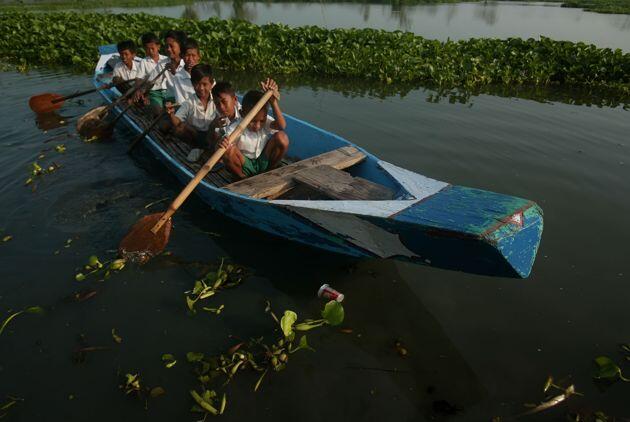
155 63
182 87
192 120
153 60
127 69
263 143
227 109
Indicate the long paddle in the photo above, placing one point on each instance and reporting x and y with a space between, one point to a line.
149 236
90 124
47 102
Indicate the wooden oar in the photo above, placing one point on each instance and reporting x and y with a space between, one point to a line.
47 102
140 137
149 236
91 124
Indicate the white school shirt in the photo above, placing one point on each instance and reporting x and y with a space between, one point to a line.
181 86
123 72
221 131
192 112
251 143
151 68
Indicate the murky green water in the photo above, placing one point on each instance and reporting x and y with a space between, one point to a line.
484 345
434 21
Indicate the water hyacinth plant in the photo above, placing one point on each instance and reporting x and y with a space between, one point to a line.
256 355
71 39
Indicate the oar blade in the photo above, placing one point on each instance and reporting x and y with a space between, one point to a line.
140 244
92 124
43 103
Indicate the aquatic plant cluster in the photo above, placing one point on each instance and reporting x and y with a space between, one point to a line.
70 39
600 6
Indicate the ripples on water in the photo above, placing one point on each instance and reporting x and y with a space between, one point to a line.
485 345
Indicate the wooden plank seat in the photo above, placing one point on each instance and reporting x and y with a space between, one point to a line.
278 181
337 184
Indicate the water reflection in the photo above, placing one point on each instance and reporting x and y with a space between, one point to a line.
487 13
50 120
190 13
434 21
360 88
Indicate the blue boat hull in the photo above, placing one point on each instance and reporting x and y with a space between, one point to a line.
431 222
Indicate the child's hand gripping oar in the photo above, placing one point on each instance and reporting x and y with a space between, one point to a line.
149 236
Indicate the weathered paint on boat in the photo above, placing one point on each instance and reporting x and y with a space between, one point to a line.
430 222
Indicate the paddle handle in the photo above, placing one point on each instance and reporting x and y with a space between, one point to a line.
77 94
205 169
87 91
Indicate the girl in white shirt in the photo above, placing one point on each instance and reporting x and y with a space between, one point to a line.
182 86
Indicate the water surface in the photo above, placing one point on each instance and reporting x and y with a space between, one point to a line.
484 345
435 21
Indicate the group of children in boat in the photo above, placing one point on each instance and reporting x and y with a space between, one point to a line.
201 111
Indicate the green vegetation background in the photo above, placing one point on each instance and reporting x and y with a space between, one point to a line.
71 39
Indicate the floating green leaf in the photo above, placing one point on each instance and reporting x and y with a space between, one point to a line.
257 386
194 356
116 337
29 310
157 392
205 405
333 313
7 238
117 264
169 360
607 370
287 321
79 277
34 310
223 404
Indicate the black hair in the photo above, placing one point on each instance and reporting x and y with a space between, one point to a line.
223 88
250 99
190 44
149 37
179 37
200 71
126 45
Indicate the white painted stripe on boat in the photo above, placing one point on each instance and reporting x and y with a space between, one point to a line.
359 232
103 60
416 184
369 208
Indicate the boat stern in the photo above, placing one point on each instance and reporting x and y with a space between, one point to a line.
473 230
518 238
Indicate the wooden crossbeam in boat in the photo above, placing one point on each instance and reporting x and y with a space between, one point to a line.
278 181
340 185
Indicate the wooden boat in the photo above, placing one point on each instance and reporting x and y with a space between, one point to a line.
335 196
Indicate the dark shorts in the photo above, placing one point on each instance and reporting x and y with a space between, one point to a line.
252 167
201 139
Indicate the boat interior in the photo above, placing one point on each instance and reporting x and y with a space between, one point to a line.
319 165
